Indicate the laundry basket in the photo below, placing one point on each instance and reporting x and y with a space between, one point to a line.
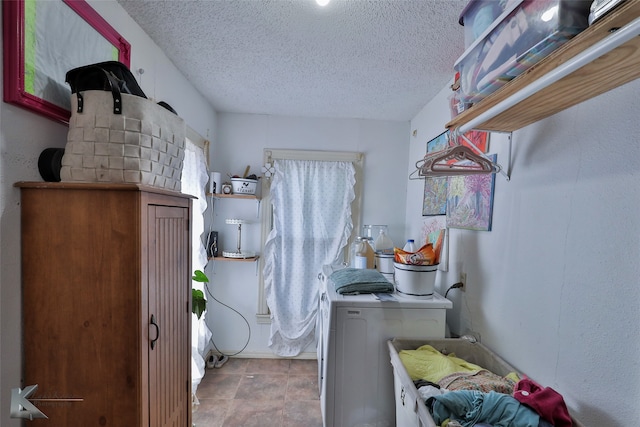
410 408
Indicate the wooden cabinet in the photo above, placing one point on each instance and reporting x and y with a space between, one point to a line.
107 303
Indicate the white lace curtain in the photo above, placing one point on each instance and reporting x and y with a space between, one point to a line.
311 225
194 180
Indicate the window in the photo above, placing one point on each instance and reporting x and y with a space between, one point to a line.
270 155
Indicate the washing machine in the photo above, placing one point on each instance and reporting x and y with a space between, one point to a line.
355 376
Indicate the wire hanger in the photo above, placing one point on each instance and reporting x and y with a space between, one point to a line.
455 160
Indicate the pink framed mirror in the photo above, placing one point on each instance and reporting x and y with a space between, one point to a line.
42 40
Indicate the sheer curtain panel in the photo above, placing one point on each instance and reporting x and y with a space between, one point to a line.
194 180
312 224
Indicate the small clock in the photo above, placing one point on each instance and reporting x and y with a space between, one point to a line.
227 189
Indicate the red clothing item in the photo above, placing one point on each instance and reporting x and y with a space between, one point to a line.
547 402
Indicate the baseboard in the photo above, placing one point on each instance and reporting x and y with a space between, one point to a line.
269 355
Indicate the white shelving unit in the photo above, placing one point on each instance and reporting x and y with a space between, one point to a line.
239 255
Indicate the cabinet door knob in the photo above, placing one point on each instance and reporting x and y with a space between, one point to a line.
153 323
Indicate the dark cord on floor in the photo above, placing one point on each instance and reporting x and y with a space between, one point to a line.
206 285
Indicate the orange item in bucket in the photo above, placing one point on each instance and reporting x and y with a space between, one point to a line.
423 256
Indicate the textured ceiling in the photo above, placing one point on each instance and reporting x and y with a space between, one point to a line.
382 59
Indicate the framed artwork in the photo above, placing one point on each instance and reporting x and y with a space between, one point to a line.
470 201
43 39
438 143
479 138
432 229
434 201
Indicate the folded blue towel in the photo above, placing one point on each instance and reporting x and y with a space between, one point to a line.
353 281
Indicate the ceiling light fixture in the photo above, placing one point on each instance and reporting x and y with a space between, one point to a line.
323 2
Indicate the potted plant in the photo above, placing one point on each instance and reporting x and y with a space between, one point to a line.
198 301
199 305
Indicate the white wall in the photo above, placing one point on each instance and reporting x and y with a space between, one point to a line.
161 80
239 142
23 135
554 287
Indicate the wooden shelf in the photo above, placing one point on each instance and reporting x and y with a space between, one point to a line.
611 70
234 196
221 258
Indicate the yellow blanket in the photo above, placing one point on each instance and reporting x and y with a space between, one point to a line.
429 364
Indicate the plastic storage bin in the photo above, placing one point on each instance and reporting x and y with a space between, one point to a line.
526 32
479 15
410 408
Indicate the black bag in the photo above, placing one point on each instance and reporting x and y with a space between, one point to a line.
110 76
100 77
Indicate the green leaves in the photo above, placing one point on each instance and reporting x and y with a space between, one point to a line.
198 302
199 276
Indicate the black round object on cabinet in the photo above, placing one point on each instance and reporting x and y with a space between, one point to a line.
50 163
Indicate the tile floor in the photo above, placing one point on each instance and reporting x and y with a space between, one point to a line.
259 392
